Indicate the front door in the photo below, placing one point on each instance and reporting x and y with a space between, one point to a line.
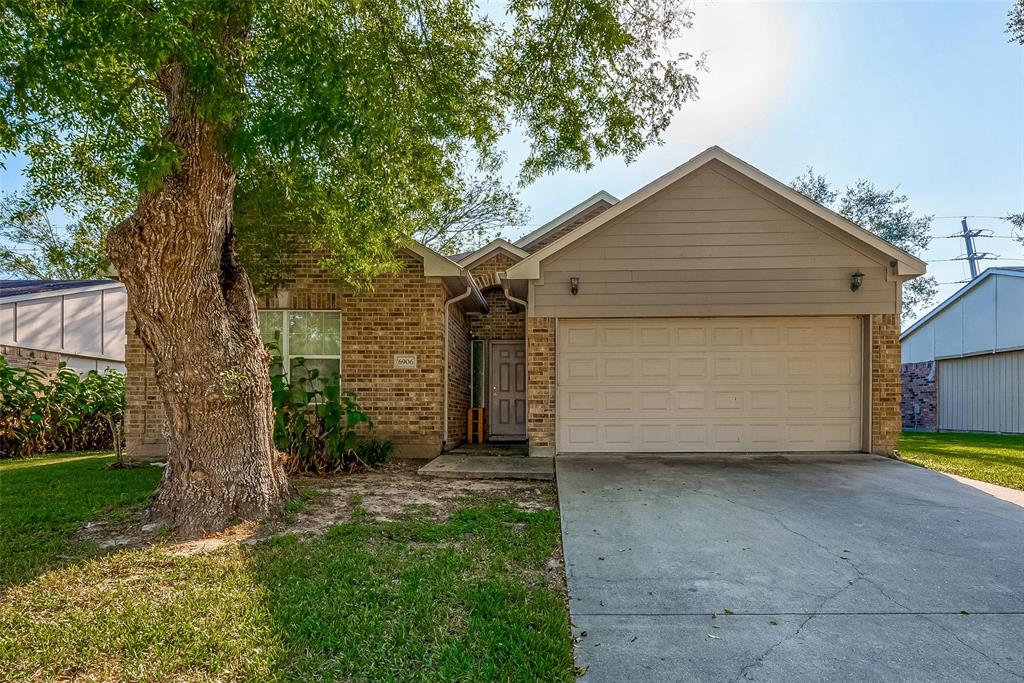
507 407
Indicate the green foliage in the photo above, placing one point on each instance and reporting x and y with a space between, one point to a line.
370 122
1015 22
44 251
374 452
1016 221
316 423
884 213
63 411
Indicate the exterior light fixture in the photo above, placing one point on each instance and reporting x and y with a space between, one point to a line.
856 280
574 285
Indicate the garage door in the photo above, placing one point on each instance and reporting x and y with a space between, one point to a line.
659 385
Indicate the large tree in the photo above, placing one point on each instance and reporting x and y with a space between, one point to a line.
348 124
885 213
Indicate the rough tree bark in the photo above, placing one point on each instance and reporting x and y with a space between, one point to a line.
195 313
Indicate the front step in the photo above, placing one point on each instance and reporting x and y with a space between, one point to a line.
459 466
493 448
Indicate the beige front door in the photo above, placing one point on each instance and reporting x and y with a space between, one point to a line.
649 385
507 406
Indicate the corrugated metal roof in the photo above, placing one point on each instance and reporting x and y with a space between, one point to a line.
22 287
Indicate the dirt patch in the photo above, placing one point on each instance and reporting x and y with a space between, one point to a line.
386 494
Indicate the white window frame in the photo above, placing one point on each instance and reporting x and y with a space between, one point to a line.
286 357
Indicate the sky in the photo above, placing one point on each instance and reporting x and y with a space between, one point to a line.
924 96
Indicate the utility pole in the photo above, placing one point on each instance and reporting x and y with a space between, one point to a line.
972 255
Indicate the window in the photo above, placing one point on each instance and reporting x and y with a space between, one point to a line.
478 376
314 336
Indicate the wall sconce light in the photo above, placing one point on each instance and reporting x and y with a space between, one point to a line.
856 280
574 285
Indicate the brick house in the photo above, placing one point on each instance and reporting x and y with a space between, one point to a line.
713 310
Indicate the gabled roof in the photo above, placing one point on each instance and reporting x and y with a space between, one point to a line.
23 290
906 264
454 275
472 258
560 220
1010 271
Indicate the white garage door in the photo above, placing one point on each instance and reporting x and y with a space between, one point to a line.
709 385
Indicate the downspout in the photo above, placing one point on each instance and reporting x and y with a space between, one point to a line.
508 292
447 353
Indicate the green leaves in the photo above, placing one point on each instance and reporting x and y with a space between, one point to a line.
884 213
61 411
316 423
352 125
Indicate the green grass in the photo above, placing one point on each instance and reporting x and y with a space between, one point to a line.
995 458
45 500
414 599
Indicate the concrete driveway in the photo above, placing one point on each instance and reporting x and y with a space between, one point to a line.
818 568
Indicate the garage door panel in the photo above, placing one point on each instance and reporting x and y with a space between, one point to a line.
735 385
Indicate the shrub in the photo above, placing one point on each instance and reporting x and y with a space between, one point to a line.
63 411
316 422
373 452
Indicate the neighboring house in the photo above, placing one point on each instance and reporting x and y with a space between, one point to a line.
963 363
712 310
79 322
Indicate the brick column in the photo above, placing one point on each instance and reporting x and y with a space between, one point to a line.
886 422
540 385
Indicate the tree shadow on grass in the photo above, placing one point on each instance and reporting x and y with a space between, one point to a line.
419 599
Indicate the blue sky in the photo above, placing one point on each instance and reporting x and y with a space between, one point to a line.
926 96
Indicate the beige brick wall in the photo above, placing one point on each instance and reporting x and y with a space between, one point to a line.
499 323
540 385
402 315
458 376
20 357
886 422
485 272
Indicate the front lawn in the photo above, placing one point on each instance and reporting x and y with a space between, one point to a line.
469 593
45 500
995 458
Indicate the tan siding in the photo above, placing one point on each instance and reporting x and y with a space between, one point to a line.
982 393
711 245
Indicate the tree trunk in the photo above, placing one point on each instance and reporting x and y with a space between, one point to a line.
194 310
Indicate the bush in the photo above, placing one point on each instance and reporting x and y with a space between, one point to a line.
316 423
64 411
373 452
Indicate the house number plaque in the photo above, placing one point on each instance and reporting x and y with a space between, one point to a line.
405 361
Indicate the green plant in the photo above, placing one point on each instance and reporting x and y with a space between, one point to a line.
373 452
61 411
315 421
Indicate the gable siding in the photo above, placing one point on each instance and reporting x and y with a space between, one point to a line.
710 245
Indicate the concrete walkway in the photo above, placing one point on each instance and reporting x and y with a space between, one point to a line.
460 466
789 569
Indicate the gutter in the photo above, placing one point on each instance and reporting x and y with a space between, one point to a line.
447 355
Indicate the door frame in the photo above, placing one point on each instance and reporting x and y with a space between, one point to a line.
489 370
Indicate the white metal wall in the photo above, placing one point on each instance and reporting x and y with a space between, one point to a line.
89 324
985 319
982 393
